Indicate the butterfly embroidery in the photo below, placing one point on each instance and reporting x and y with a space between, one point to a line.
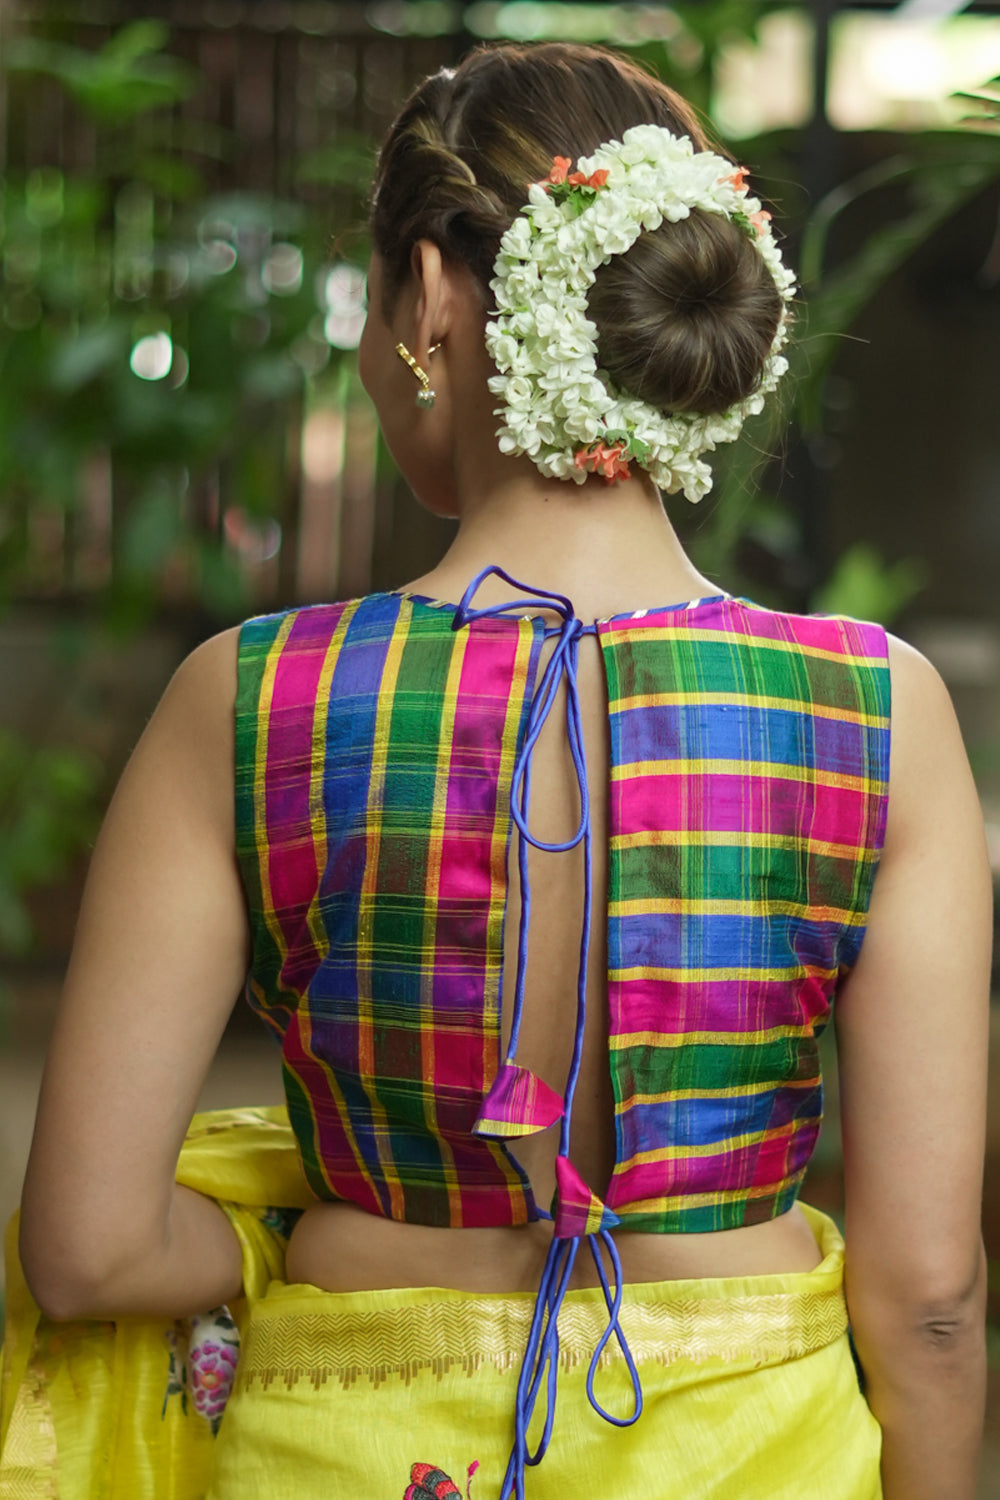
430 1483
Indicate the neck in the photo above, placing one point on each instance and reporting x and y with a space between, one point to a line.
609 548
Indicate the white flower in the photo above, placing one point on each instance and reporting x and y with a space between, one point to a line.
520 324
553 400
549 318
517 240
518 392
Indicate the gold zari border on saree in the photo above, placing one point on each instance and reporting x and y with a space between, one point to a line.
437 1337
29 1463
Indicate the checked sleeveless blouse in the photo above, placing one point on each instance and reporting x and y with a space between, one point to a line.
382 751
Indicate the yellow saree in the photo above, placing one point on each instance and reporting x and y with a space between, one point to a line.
750 1391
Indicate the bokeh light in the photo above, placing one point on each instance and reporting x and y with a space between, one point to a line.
152 356
344 296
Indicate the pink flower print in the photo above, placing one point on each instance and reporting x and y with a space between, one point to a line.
213 1351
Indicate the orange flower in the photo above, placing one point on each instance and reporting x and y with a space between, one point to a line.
613 466
758 220
595 180
603 460
739 178
560 166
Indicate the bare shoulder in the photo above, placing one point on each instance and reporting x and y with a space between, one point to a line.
186 750
930 776
215 657
203 688
918 689
935 843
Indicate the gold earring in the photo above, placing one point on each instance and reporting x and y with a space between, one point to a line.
425 396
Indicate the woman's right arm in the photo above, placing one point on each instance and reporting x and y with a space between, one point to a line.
912 1022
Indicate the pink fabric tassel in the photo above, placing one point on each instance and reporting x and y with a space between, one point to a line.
518 1103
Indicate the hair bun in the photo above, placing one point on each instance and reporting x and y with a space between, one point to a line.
686 317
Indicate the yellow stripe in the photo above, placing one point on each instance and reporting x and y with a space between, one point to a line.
734 839
707 976
366 905
750 700
595 1214
613 634
625 1039
435 849
774 770
690 906
707 1200
676 1096
715 1148
260 781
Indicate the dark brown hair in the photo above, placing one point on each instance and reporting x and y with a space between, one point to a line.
685 318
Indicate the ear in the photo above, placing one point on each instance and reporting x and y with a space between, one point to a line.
433 288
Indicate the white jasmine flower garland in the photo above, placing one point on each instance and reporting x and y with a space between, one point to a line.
557 406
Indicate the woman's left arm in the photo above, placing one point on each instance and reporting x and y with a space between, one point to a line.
159 958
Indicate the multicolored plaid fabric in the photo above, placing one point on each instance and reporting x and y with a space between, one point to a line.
749 775
374 754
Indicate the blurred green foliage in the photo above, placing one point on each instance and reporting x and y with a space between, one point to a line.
222 302
128 76
47 810
228 293
865 586
927 184
687 59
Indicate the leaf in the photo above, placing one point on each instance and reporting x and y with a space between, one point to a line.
725 21
864 586
815 236
136 40
126 77
986 106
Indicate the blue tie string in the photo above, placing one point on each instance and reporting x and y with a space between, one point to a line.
541 1356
